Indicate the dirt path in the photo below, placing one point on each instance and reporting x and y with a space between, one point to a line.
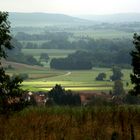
67 74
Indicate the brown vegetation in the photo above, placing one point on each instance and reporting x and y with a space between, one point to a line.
78 123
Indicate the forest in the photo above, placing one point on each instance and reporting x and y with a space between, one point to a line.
101 50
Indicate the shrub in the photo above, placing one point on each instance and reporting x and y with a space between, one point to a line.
101 77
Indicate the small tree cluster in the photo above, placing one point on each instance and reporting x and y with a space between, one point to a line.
62 97
44 57
117 74
101 77
23 76
118 88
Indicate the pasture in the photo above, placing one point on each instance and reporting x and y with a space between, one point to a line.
95 33
103 34
53 53
44 78
83 80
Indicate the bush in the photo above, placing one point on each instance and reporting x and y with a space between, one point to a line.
23 76
62 97
118 88
10 67
131 99
101 77
100 101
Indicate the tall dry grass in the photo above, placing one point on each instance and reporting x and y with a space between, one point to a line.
72 123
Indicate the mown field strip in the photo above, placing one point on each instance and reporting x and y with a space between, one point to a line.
77 81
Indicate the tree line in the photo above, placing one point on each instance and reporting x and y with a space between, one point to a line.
88 59
16 54
102 52
76 61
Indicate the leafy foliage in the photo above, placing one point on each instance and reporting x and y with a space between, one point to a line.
10 91
62 97
23 76
44 57
101 77
76 61
4 34
131 99
118 88
100 50
16 54
117 74
135 77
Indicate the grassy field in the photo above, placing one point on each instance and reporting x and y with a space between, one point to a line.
44 78
53 53
83 80
72 123
103 34
95 33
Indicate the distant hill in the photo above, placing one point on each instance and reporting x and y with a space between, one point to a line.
42 19
114 18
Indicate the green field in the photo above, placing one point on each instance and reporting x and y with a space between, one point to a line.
95 33
83 80
44 78
53 53
103 34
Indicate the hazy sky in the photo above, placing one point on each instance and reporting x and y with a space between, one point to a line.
71 6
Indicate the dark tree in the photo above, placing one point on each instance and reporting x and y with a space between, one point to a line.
135 77
5 37
118 88
62 97
117 74
9 87
44 57
23 76
101 77
77 61
31 60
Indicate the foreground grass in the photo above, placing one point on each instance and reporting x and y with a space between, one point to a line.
72 123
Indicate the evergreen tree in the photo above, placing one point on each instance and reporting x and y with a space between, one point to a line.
135 77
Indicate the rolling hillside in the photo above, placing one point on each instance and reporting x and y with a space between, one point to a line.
113 18
42 19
